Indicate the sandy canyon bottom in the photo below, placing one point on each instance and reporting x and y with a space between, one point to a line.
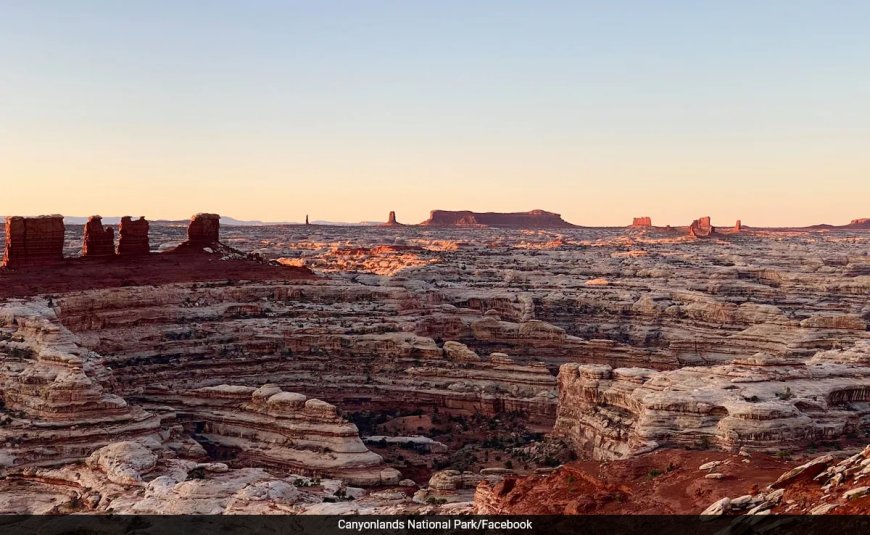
414 370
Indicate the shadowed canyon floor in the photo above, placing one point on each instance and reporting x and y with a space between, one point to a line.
423 369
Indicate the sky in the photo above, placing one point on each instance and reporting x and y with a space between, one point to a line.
345 110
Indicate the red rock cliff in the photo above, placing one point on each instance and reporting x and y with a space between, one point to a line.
33 241
642 222
533 219
133 236
98 240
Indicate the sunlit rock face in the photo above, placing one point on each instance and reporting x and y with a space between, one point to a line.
759 403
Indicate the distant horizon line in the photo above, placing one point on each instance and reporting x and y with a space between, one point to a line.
232 221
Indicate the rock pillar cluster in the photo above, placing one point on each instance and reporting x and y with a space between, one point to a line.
98 240
33 241
133 237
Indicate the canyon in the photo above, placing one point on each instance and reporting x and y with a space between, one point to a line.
473 363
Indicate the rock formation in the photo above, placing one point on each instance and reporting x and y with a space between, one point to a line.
701 228
642 222
98 240
203 230
33 241
277 429
757 403
391 221
531 220
133 237
55 407
822 485
738 226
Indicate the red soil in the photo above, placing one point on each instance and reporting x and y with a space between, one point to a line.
661 482
76 274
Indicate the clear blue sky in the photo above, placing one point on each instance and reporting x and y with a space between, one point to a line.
601 111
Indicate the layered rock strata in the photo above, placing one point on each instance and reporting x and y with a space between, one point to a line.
268 427
758 403
33 241
55 407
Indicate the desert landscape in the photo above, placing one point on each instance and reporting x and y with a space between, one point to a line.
474 363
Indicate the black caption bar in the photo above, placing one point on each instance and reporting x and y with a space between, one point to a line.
430 525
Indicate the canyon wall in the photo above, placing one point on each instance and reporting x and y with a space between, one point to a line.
757 403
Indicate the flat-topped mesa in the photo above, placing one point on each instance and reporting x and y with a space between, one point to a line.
701 228
133 237
33 241
642 222
98 241
465 218
391 221
862 223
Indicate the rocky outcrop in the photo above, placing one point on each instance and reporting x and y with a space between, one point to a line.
391 221
33 241
826 484
531 220
641 222
55 407
272 428
758 403
98 241
203 230
133 237
701 228
862 223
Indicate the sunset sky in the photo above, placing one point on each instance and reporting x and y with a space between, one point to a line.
601 111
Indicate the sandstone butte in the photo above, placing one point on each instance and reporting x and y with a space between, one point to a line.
531 220
33 241
642 222
391 221
133 237
423 372
98 241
